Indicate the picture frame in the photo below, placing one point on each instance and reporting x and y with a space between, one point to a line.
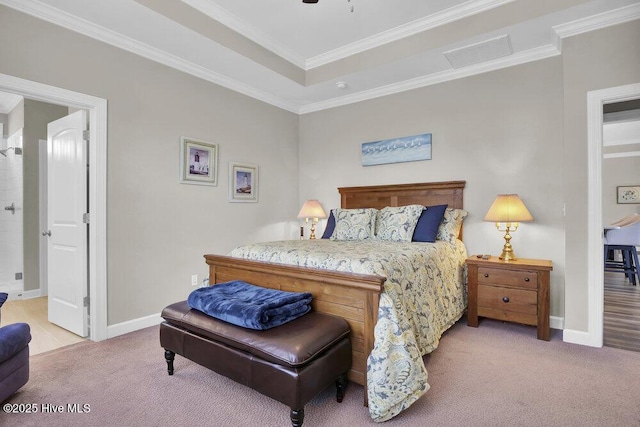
397 150
198 162
243 182
628 194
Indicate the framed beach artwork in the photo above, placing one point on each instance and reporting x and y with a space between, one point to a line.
198 162
243 182
397 150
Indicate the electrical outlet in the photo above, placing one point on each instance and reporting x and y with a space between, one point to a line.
194 280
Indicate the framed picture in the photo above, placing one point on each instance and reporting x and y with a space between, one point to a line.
198 162
628 194
397 150
243 182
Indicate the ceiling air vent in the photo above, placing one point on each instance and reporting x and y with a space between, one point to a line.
480 52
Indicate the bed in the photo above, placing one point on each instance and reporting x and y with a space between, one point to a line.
365 293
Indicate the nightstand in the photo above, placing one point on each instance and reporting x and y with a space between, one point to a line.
513 291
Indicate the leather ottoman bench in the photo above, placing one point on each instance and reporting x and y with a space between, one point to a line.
290 363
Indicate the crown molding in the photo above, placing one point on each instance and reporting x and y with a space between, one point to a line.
444 17
603 20
230 20
79 25
599 21
621 155
432 79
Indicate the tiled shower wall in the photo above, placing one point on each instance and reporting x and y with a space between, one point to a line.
11 224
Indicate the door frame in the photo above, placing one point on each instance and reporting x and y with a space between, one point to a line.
595 101
97 108
42 200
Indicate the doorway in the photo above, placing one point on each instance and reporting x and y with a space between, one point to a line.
595 260
23 189
621 167
97 109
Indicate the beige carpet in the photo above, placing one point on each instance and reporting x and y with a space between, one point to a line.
495 375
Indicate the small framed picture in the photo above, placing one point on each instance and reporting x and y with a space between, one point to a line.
198 162
628 194
243 182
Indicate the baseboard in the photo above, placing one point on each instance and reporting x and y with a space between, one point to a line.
133 325
18 295
578 337
556 322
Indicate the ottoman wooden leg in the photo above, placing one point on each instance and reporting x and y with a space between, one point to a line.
341 386
297 417
169 356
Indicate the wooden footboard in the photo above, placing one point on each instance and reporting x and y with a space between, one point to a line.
354 297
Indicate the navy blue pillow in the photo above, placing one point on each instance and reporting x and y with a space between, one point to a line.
331 224
428 223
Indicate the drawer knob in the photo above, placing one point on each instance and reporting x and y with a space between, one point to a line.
505 299
526 279
486 274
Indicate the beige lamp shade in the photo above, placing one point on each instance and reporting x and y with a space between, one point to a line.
508 208
311 209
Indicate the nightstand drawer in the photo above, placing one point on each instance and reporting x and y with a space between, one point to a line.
515 278
510 304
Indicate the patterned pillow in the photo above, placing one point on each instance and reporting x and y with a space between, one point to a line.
450 226
397 224
354 224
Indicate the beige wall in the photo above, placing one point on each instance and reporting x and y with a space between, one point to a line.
36 116
159 229
500 131
597 60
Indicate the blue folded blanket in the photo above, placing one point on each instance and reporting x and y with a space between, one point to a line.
248 305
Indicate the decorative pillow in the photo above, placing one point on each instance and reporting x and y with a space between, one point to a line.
428 224
331 225
354 224
451 223
397 224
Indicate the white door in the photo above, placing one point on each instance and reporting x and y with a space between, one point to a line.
66 233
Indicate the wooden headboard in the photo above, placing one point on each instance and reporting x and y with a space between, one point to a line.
426 194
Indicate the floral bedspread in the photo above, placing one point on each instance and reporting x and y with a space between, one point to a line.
425 293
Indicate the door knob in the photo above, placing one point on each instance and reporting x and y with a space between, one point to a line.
47 233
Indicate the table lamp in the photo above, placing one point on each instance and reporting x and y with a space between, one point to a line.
312 210
509 210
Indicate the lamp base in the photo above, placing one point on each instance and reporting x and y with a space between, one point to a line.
507 250
507 255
